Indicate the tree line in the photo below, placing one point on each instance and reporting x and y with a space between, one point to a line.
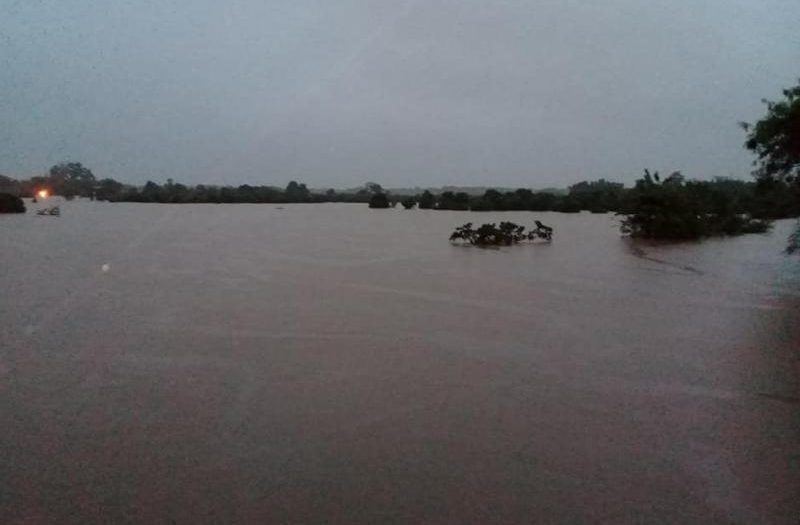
670 208
765 197
73 179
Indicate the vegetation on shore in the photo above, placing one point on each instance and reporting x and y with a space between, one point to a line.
672 208
676 209
380 200
764 198
775 140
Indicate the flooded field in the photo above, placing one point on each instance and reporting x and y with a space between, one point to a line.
331 363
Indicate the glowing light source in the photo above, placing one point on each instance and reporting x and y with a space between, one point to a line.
42 194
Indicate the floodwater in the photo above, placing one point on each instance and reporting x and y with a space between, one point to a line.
331 363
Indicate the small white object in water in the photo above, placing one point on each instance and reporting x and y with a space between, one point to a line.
106 267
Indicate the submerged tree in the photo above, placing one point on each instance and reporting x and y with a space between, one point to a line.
507 233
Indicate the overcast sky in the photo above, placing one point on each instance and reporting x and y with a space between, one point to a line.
422 92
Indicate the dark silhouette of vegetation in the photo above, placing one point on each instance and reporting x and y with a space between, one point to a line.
11 204
71 179
506 234
599 196
9 185
453 201
765 198
74 180
427 201
676 209
296 192
379 200
408 202
108 189
542 231
775 139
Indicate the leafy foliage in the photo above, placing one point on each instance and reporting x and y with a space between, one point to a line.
775 139
506 234
675 209
72 179
296 192
598 196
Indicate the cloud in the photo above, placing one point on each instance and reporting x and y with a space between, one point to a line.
408 93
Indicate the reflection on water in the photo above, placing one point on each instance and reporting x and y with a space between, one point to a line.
334 363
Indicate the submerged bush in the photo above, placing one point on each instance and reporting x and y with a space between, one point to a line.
11 204
506 233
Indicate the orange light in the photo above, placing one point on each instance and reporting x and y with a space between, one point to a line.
42 194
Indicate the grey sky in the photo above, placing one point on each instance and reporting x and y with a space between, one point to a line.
420 92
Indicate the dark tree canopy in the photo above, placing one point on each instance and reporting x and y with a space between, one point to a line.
775 139
72 179
507 233
675 209
107 189
11 204
373 188
454 201
427 200
297 192
379 200
8 185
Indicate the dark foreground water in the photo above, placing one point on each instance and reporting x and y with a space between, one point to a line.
331 363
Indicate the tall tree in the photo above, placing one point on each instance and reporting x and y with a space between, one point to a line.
427 200
71 179
109 189
297 192
379 200
775 139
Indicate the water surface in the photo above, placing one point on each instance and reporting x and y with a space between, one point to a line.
331 363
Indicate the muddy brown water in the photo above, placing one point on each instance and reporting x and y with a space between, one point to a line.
331 363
